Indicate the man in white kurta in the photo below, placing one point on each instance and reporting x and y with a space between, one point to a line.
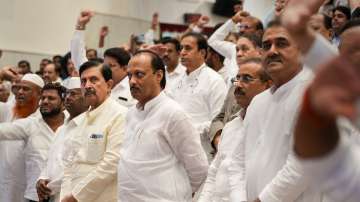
328 150
90 166
51 176
174 69
12 167
161 157
201 91
251 80
271 170
38 132
171 57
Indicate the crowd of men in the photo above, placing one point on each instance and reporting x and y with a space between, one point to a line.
256 112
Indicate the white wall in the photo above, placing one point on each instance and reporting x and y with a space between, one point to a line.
37 28
259 8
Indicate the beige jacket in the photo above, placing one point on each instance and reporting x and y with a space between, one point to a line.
92 155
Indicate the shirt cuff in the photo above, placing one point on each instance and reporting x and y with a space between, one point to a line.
320 52
43 177
330 168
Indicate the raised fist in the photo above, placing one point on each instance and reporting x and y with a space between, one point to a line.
85 17
239 16
104 31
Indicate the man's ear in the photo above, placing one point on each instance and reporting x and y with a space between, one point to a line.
204 53
268 83
110 84
159 75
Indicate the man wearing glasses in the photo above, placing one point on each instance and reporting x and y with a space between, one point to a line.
264 159
250 81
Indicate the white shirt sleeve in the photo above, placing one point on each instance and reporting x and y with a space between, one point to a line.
236 173
149 37
321 51
216 41
289 183
293 178
337 174
208 190
216 98
44 173
5 111
15 130
77 49
185 142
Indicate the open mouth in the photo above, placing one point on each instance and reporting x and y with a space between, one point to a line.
134 90
239 93
21 99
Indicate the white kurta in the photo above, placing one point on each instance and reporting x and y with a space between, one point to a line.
224 73
54 168
201 94
12 164
338 173
38 137
121 93
161 157
217 185
173 78
272 173
92 154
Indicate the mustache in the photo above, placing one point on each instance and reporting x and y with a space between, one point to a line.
89 91
134 88
239 92
273 58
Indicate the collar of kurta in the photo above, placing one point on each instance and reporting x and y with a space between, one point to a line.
92 114
151 103
177 71
122 84
303 75
222 70
195 74
76 120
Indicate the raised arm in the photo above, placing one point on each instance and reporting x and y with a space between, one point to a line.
296 17
321 144
77 46
217 39
104 31
16 130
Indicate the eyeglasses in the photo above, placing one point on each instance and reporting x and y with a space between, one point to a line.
243 26
243 78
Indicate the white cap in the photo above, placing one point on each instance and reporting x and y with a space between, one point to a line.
72 83
33 78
